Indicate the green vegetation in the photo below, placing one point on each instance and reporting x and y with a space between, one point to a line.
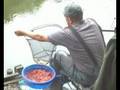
14 7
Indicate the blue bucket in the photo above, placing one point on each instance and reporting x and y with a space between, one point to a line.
38 85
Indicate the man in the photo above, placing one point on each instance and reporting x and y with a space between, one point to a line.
78 66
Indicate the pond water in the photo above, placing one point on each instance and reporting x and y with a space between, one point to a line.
16 49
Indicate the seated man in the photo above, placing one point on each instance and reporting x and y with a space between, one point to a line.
78 66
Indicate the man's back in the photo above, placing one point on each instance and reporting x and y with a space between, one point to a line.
91 35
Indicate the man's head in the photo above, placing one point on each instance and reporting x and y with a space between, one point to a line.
73 13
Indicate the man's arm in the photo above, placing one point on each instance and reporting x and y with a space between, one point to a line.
32 35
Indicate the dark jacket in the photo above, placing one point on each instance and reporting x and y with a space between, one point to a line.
107 77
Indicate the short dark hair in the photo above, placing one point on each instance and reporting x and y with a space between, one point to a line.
74 11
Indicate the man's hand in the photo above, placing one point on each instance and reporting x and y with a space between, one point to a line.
32 35
19 33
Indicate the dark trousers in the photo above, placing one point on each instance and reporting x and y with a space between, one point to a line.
63 64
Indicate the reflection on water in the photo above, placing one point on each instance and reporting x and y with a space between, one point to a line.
13 7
